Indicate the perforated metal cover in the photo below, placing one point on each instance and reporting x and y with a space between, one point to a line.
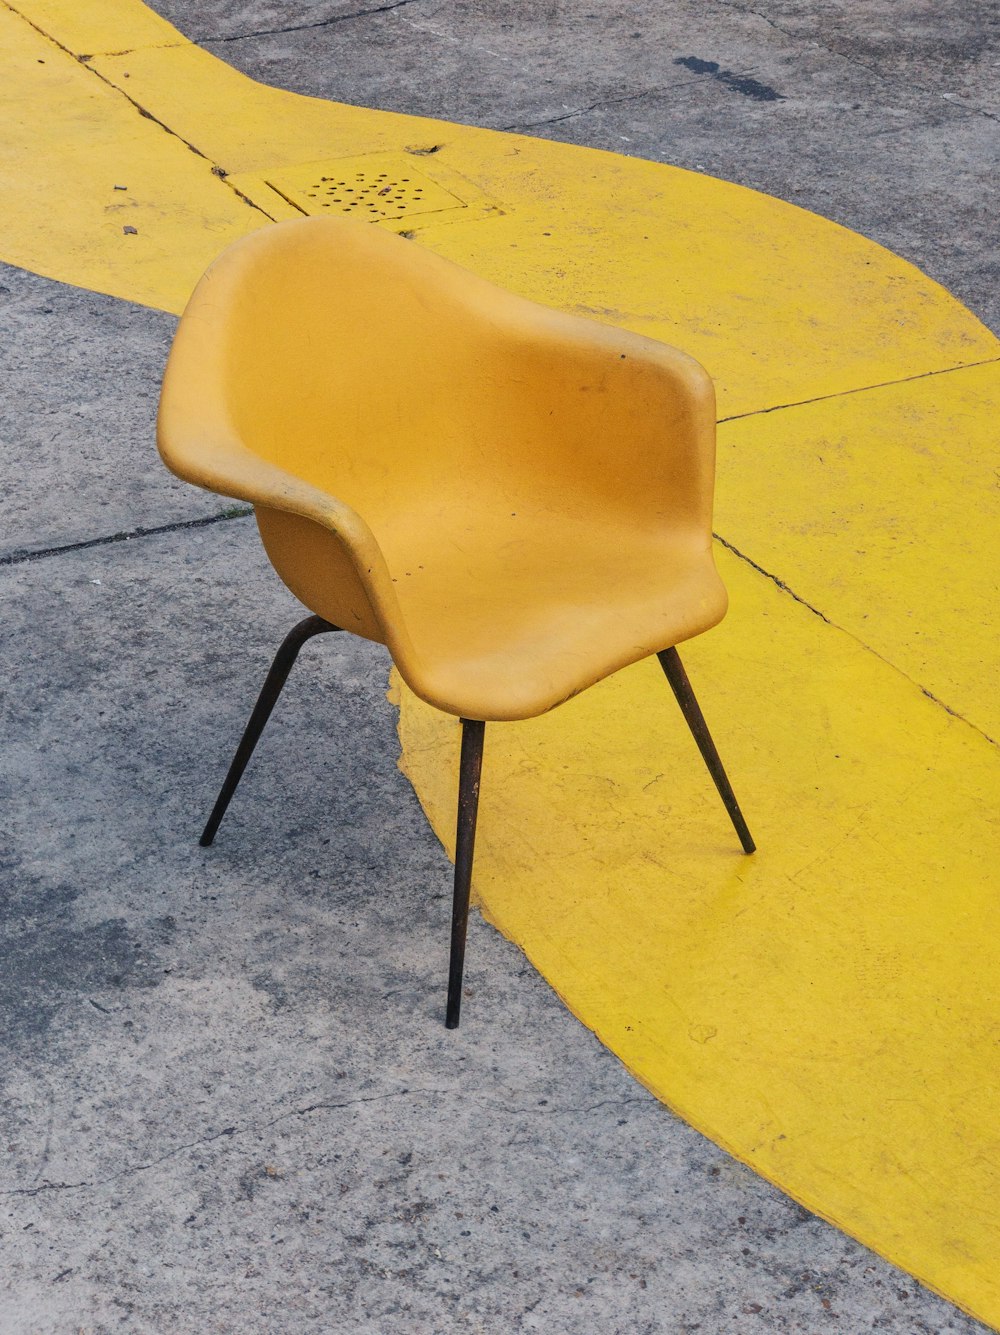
379 186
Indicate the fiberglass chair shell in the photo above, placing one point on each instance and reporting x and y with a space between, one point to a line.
516 501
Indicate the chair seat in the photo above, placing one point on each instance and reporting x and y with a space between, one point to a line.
508 618
504 613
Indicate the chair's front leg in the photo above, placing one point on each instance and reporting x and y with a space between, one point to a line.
268 698
469 771
670 661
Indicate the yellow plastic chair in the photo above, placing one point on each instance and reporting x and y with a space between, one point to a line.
516 501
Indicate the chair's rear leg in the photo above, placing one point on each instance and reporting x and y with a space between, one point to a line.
275 680
470 769
670 661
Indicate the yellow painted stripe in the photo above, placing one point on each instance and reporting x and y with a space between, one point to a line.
68 141
826 1010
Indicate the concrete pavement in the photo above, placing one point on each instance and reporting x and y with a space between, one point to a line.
230 1103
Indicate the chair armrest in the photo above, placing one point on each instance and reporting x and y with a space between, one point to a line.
206 451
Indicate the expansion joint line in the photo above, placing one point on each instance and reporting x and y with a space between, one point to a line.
785 588
859 389
85 61
25 557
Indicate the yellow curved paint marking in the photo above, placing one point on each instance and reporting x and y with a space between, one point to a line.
827 1010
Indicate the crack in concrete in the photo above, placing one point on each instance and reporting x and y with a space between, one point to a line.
645 1101
227 1133
349 1103
25 557
520 126
549 1110
785 588
232 1132
305 27
45 1186
130 1171
859 389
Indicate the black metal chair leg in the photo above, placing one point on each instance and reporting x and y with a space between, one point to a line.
470 769
670 661
268 698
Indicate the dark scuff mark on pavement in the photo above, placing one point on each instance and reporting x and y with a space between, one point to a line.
737 83
51 959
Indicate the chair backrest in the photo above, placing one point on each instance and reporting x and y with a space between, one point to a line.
373 369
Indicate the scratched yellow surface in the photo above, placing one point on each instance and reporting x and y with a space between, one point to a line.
828 1010
883 511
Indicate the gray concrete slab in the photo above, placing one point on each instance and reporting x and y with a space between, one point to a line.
80 374
949 49
881 117
230 1103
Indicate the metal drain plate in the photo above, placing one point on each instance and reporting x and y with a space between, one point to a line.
370 188
392 188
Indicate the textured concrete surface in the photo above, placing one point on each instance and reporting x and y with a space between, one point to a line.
229 1101
77 418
